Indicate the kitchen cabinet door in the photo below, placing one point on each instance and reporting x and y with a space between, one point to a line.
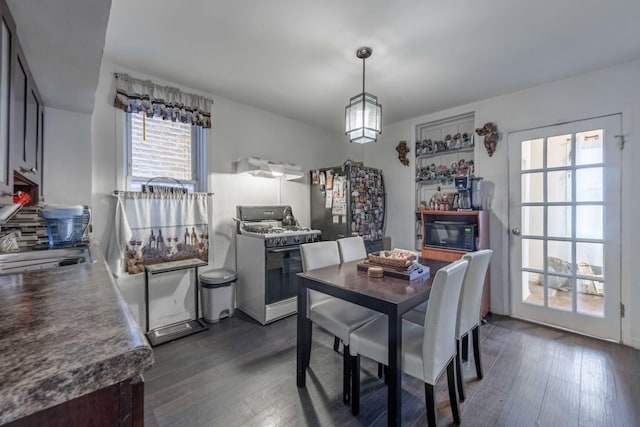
32 128
19 111
40 151
7 30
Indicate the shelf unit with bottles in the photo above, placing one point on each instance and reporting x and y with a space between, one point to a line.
443 150
481 220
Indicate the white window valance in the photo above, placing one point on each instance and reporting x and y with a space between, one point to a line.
135 96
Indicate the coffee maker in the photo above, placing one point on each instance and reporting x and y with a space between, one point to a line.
467 187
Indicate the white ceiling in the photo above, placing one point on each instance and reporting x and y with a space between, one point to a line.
297 58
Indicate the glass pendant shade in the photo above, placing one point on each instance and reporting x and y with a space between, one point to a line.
363 115
363 118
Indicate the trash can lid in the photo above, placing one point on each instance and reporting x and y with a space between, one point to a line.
216 277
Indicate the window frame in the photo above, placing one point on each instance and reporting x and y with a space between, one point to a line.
198 181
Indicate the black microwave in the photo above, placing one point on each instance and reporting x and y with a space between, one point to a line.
451 235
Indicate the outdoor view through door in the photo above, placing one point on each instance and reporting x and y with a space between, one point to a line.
565 225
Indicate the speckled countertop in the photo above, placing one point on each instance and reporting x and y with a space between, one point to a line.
64 332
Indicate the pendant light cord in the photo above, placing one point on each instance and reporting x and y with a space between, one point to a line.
363 59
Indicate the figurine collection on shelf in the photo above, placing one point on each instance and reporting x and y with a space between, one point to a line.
444 174
459 141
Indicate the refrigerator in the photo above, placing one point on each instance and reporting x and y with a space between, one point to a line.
349 200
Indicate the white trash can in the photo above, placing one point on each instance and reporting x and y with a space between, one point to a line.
218 294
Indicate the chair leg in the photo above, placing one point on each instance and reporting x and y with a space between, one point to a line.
459 372
309 341
431 404
355 385
380 365
336 344
453 396
476 350
346 374
465 347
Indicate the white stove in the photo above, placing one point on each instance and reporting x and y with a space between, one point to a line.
268 260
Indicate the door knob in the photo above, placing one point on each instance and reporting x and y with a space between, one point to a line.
515 231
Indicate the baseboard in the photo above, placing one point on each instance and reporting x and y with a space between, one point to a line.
635 343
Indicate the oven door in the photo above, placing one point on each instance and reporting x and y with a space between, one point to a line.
283 265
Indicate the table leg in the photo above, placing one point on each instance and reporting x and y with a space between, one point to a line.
394 391
303 334
146 301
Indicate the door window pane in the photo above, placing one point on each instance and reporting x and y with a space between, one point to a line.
559 257
559 221
591 297
532 188
560 292
589 185
532 220
559 186
590 257
589 147
559 151
532 154
532 288
589 222
532 254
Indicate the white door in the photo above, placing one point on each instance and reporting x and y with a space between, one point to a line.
564 220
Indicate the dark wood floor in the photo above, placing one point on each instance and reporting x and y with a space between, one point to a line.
242 374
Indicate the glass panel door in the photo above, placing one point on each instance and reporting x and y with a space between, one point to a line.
565 222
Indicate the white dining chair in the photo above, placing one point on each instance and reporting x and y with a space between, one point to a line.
352 249
468 313
426 350
334 315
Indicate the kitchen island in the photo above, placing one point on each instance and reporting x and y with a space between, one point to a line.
70 351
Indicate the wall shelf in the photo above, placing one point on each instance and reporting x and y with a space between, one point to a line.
445 152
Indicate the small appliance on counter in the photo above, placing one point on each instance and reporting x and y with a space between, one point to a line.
67 226
469 197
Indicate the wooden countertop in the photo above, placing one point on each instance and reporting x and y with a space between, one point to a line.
64 332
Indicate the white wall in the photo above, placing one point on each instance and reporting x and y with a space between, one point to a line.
67 157
608 91
237 131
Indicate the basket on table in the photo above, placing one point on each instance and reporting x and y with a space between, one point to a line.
396 258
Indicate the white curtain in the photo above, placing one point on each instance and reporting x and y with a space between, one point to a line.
151 228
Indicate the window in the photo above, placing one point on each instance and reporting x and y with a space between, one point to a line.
165 152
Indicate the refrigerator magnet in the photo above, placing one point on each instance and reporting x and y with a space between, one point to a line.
329 178
328 201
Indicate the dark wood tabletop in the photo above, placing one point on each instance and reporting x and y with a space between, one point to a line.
391 296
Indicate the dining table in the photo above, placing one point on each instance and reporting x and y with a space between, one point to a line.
388 295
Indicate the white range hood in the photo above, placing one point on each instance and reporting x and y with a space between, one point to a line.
255 166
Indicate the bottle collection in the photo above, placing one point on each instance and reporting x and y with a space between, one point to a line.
158 248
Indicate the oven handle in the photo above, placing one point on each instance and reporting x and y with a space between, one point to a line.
280 250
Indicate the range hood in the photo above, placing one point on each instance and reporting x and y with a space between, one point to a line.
256 166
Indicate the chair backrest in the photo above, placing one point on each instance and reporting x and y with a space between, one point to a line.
318 255
352 249
472 287
439 344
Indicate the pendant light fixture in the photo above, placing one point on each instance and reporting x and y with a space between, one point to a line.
363 115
